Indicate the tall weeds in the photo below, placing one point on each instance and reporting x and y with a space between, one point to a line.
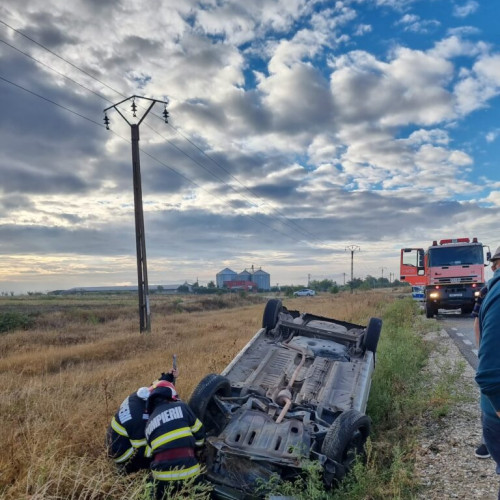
62 380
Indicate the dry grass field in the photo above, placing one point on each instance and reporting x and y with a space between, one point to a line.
63 378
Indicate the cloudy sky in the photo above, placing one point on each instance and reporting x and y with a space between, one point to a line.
297 128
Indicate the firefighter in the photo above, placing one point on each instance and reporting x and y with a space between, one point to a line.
173 433
125 439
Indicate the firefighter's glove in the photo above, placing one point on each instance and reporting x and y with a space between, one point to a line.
169 376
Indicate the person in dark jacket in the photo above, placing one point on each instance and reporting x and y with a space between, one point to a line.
125 438
482 449
173 432
488 370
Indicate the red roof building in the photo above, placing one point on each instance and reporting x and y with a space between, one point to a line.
248 286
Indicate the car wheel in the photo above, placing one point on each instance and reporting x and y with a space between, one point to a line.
271 314
372 334
346 439
205 404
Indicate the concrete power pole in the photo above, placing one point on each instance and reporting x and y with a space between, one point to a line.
352 249
142 269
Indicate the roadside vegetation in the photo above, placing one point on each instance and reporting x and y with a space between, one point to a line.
64 374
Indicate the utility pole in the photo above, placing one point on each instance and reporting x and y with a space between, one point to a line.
142 269
352 249
382 269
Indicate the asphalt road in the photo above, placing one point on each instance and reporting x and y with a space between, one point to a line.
460 328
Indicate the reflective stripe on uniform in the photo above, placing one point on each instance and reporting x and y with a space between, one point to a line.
124 456
137 443
171 436
176 475
196 427
199 443
148 451
118 428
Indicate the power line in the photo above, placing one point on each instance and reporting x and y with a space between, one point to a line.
59 57
297 226
237 180
54 70
145 152
304 233
51 101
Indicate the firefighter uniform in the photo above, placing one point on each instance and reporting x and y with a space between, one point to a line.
172 432
125 437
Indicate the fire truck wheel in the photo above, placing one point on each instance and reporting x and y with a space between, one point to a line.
430 310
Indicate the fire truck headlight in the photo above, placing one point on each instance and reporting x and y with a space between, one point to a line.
477 293
434 295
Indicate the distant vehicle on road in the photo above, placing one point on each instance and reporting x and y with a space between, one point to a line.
305 292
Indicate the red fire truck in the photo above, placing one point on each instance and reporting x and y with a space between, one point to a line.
451 272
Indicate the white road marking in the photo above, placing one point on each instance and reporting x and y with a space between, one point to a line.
459 334
468 342
474 351
454 328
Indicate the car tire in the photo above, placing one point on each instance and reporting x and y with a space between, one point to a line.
271 314
344 440
204 404
372 335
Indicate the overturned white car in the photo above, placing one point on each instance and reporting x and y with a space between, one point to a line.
298 389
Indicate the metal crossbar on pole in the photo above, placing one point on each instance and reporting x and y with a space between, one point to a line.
142 268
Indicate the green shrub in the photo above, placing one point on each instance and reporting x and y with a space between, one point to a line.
15 321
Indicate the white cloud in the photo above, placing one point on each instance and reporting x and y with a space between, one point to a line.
455 46
479 85
407 89
414 23
466 9
362 29
399 5
492 135
323 149
434 136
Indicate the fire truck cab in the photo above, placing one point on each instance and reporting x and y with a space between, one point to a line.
451 272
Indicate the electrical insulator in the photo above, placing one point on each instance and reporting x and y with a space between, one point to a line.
106 121
165 114
134 107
